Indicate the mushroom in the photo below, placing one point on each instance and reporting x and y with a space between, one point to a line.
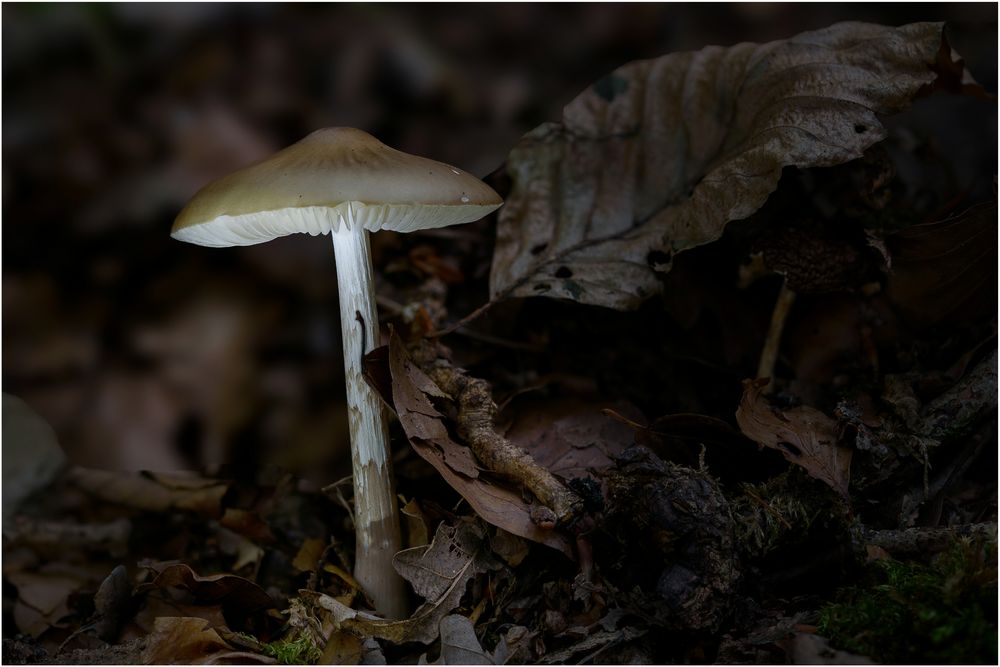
345 182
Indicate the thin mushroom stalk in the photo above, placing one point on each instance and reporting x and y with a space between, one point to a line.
376 517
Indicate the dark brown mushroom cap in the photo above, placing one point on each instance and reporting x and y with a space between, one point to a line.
311 186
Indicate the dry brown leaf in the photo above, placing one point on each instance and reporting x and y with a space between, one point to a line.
420 419
239 598
192 641
307 559
416 524
439 573
425 428
657 157
805 436
155 607
41 600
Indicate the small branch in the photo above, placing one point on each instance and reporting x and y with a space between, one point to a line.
476 423
465 320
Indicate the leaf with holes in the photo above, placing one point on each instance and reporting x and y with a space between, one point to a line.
657 157
805 436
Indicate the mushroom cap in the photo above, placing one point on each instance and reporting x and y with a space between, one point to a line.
313 185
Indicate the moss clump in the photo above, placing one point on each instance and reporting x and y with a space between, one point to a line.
299 651
778 511
913 613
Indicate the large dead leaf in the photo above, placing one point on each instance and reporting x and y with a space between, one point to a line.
425 428
657 157
804 435
439 573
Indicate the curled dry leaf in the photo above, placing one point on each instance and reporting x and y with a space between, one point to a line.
502 506
239 598
439 573
657 157
805 436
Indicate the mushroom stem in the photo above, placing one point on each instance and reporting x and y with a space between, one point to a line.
769 355
376 516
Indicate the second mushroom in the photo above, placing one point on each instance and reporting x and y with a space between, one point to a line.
344 182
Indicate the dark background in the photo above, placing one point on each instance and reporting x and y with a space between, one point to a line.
143 352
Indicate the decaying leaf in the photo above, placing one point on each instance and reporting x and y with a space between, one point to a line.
657 157
425 428
805 436
439 573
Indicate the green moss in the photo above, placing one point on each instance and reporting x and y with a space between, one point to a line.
299 651
913 613
779 511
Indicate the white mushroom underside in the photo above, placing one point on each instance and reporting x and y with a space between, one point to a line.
253 228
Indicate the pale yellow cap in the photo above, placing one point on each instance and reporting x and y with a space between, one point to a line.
311 186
